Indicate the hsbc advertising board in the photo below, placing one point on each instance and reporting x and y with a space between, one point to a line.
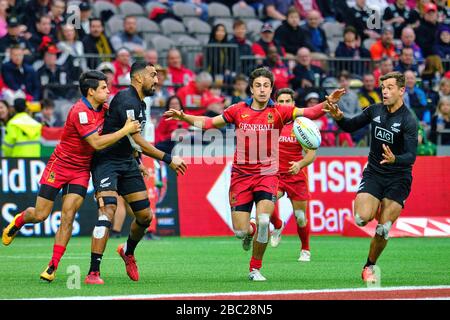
333 183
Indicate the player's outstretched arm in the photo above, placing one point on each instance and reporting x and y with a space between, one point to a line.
200 122
347 124
317 111
175 163
296 166
99 142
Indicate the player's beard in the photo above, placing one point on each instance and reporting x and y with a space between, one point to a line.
148 92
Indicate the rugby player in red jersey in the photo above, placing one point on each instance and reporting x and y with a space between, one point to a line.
69 166
293 180
254 175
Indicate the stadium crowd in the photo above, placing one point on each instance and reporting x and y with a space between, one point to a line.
204 51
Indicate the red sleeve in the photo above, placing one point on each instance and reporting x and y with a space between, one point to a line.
230 113
84 123
286 112
258 50
181 93
314 112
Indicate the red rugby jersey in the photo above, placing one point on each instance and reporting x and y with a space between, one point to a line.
257 133
290 149
82 121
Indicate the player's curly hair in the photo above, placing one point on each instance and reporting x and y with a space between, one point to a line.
261 72
398 76
90 80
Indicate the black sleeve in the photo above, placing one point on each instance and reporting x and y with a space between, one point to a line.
409 142
357 122
388 14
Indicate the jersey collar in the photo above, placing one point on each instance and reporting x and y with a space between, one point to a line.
249 102
89 105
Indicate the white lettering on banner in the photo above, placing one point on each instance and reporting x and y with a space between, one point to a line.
36 169
48 227
14 180
335 176
330 220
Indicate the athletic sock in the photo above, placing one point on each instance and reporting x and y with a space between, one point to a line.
369 263
275 218
58 252
255 264
20 220
96 259
303 233
130 246
253 227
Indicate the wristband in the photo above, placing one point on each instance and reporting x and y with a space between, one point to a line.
167 158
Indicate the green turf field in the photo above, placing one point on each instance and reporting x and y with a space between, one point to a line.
218 264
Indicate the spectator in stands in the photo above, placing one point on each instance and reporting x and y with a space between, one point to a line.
443 11
315 36
414 97
406 62
97 43
3 17
4 117
399 16
444 88
306 75
15 37
151 56
57 11
129 38
348 103
289 34
240 89
71 52
47 116
85 15
165 128
214 106
219 60
384 47
108 69
194 95
122 66
244 45
408 38
43 33
367 95
20 76
33 10
162 91
201 9
351 46
386 66
432 73
441 121
426 31
277 9
358 16
178 74
23 134
280 70
261 46
305 6
442 46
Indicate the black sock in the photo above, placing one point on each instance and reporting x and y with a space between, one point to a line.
96 259
131 245
369 263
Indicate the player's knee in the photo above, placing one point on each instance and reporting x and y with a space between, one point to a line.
240 234
360 221
40 216
67 218
102 225
382 230
107 202
140 205
144 222
263 227
300 215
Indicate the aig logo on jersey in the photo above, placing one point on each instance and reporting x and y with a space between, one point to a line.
384 135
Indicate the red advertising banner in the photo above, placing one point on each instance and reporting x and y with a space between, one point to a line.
333 182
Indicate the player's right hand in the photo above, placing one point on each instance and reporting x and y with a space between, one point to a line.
333 110
132 126
178 165
174 114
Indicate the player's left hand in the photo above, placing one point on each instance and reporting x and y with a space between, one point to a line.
144 171
174 114
335 96
388 156
295 167
178 165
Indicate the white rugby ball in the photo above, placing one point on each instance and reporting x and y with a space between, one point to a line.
307 133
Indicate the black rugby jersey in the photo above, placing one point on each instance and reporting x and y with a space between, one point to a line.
397 130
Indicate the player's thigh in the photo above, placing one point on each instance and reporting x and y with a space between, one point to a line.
299 204
366 206
139 204
107 203
390 211
43 207
240 220
71 203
